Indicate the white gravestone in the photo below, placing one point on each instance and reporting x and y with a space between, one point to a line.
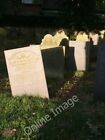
81 54
82 36
95 38
26 71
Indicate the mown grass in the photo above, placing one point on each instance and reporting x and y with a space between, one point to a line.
86 120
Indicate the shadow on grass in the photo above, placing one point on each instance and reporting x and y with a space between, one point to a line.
84 121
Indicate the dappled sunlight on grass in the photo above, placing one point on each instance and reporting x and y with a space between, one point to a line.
84 121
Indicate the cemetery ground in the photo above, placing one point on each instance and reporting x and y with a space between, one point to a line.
86 120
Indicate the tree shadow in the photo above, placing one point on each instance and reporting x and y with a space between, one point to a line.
70 122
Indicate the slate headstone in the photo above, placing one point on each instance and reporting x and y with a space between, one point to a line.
100 73
53 59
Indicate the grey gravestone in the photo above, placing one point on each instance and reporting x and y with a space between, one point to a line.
53 59
79 55
100 73
53 54
26 72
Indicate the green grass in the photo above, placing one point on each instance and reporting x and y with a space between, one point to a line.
85 121
18 112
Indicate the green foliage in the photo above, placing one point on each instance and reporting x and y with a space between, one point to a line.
85 121
100 5
17 113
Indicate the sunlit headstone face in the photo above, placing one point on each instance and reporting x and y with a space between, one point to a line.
26 72
47 41
82 36
50 41
59 36
102 33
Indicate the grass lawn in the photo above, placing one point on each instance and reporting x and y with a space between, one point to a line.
84 121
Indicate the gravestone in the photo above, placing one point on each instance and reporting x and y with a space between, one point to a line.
26 72
100 73
95 38
47 41
79 55
54 41
102 34
53 54
82 36
59 37
53 59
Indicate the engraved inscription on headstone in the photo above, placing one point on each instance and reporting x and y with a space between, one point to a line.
26 72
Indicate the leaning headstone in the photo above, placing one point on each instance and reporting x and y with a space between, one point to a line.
79 51
53 59
100 73
26 72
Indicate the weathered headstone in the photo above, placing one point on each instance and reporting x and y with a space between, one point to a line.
53 41
82 36
59 37
79 51
53 59
100 73
47 41
26 72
